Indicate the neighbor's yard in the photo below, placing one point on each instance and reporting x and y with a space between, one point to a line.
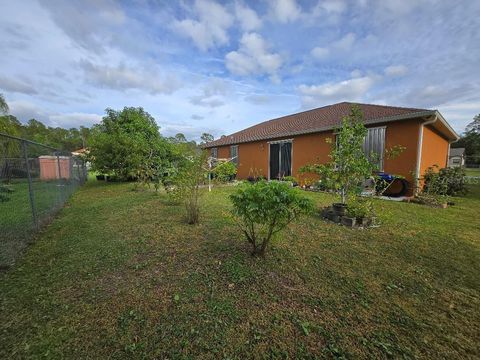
119 275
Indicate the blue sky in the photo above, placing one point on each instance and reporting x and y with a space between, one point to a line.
218 67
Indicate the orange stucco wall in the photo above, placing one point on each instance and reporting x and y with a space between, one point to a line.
404 133
434 149
313 148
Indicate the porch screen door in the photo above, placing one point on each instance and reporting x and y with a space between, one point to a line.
274 160
280 159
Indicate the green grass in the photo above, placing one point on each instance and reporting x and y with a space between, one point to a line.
118 274
472 172
16 220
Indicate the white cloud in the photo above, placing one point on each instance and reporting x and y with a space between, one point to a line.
25 110
212 94
332 6
396 70
346 42
258 99
247 17
320 53
15 85
123 78
253 57
285 11
76 119
356 73
347 90
210 27
343 44
90 24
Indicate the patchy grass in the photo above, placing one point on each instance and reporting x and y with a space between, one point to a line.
119 274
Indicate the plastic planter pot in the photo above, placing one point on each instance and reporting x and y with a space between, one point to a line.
348 221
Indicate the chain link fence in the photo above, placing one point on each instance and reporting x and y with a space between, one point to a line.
35 182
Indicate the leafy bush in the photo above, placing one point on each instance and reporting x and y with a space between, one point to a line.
445 181
263 209
290 179
186 184
225 171
360 208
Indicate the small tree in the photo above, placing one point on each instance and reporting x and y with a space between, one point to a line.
263 209
349 166
187 181
127 143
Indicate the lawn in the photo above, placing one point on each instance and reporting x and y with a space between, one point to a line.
118 274
473 172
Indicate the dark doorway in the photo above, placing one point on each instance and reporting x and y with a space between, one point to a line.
280 160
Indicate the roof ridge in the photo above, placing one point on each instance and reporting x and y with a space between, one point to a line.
387 106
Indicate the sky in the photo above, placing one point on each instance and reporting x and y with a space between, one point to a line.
218 67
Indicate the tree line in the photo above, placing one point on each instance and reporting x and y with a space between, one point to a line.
470 140
65 139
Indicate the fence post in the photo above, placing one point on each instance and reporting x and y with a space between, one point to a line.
30 186
62 194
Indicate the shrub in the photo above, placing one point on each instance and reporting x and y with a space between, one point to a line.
360 208
445 181
225 171
263 209
186 184
290 179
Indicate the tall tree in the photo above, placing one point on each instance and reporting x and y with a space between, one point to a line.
206 138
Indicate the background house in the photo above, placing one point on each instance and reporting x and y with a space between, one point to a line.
456 157
279 147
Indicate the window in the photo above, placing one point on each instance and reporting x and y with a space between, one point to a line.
374 145
234 154
214 153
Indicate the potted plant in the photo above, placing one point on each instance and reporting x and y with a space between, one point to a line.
361 209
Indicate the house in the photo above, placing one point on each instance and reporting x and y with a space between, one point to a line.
456 157
280 147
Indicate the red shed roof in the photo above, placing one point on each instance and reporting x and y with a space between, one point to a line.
316 120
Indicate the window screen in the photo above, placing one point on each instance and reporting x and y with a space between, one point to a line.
234 154
374 145
215 153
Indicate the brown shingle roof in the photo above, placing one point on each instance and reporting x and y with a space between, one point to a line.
320 119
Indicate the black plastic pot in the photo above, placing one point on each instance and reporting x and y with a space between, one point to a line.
348 221
340 209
